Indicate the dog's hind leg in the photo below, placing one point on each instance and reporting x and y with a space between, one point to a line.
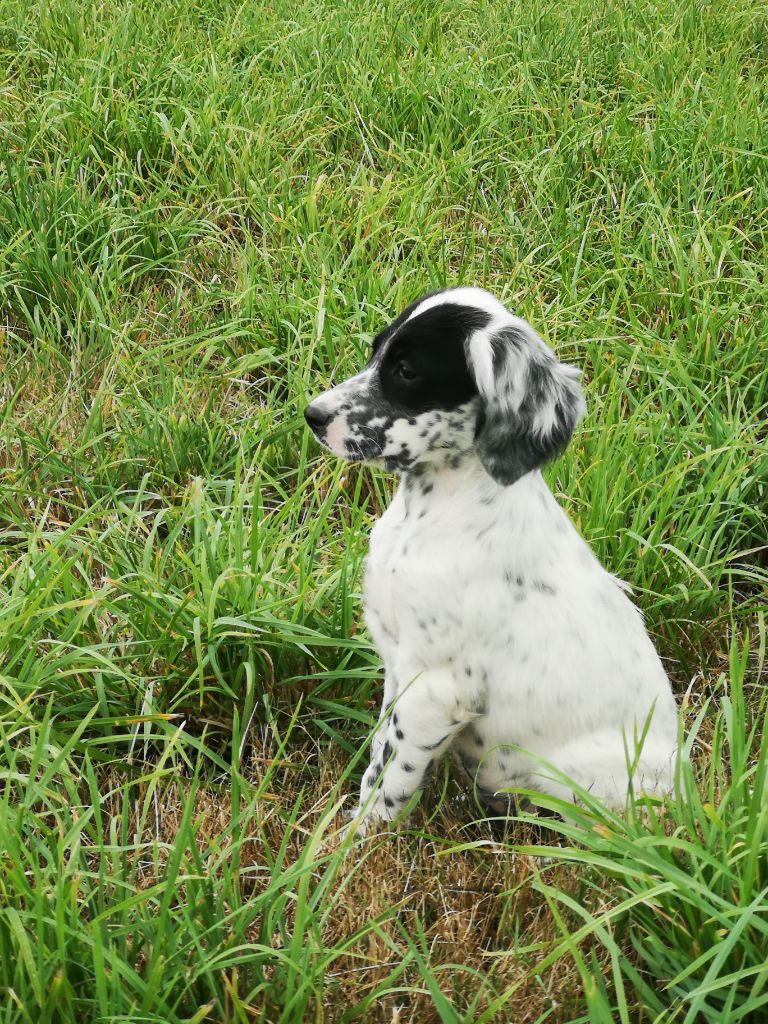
603 765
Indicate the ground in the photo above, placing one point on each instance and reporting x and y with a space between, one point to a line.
207 210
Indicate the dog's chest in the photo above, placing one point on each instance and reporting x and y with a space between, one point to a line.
418 556
392 579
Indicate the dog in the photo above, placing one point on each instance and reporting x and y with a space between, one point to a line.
502 635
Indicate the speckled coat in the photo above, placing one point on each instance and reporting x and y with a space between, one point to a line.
502 636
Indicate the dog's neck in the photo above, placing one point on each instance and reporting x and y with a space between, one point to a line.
462 498
459 473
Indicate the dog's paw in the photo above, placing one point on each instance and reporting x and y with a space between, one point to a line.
367 818
356 824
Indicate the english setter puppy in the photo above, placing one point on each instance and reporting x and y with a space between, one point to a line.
502 635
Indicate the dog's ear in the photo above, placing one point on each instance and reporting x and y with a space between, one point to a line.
529 402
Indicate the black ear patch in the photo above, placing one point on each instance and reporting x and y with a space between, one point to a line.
532 409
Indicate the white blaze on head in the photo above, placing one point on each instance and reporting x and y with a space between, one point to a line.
473 298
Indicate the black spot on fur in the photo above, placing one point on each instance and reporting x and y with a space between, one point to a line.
399 733
388 801
434 746
407 766
386 752
544 588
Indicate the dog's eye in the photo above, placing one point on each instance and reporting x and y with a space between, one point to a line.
404 371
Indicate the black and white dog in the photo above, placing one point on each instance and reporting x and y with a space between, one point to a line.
501 633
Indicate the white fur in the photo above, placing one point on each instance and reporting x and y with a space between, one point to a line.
474 298
495 620
502 635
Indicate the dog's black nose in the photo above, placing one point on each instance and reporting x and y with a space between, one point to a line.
315 417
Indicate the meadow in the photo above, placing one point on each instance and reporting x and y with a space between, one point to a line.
207 210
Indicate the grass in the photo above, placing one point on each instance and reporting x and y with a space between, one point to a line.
206 212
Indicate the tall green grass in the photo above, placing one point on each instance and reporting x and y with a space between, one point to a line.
206 212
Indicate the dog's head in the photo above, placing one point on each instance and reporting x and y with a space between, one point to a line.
455 372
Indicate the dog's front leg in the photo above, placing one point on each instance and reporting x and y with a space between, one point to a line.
425 717
380 735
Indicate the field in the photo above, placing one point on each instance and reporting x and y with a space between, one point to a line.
207 210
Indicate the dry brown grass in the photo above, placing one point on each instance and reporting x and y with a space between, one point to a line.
475 905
